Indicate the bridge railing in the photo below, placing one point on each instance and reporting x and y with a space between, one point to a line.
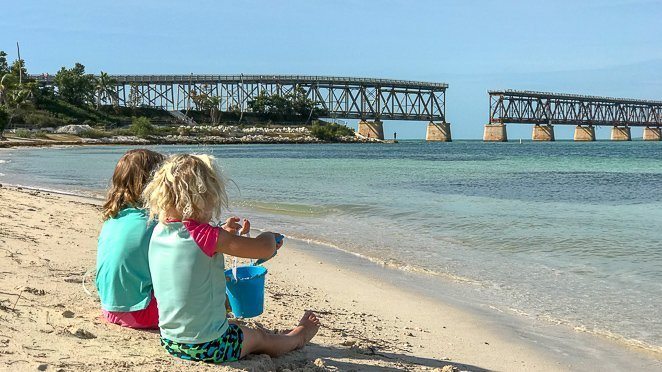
305 79
580 97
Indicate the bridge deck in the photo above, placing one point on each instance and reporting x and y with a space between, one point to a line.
263 79
567 96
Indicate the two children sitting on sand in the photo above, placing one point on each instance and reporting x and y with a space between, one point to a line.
160 259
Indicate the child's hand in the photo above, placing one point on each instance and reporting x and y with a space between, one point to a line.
276 237
232 225
246 228
280 239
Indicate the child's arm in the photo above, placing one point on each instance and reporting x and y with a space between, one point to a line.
263 246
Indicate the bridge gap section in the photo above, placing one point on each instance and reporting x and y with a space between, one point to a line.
652 134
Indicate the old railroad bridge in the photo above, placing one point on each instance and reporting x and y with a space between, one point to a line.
374 100
545 110
369 100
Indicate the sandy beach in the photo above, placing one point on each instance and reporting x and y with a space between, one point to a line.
49 322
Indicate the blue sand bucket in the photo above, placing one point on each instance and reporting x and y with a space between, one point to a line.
246 292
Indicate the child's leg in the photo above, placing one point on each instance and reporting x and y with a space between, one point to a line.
257 341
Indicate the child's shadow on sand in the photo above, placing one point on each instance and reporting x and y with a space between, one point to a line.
350 359
319 357
323 357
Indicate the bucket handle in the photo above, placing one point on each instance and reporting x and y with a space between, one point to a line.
235 260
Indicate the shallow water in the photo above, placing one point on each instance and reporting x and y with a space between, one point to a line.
566 232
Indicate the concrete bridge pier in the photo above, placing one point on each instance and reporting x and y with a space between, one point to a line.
495 133
584 133
543 133
620 134
440 132
371 129
652 134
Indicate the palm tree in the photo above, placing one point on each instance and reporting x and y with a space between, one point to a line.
4 88
105 89
21 94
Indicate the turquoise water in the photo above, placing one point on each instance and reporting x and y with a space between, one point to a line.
566 232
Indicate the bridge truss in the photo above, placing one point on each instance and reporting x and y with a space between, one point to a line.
341 97
511 106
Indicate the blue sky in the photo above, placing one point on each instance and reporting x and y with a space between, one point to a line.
609 47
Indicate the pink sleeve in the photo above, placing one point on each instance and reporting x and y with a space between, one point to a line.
205 235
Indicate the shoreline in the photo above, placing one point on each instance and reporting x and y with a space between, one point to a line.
446 279
439 320
235 141
452 294
72 135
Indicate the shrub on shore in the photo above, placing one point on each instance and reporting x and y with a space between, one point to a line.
94 133
26 133
165 130
40 119
142 127
23 133
72 114
330 132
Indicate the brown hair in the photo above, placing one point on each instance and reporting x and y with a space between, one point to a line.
132 173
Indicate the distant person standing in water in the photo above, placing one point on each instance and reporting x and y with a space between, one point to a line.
395 136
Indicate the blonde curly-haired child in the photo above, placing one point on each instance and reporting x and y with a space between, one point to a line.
186 261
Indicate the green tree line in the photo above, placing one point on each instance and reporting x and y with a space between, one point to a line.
293 105
75 93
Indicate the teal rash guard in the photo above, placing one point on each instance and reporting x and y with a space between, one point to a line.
123 279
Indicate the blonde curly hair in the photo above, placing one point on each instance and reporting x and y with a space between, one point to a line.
187 187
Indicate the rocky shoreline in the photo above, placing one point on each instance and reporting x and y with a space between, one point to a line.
188 135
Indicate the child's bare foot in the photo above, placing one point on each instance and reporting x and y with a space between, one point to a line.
307 328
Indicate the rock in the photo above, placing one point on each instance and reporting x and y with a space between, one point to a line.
35 291
42 367
68 314
85 335
73 129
